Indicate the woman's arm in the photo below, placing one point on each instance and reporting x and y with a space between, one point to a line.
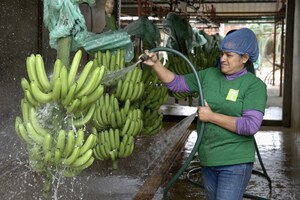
178 84
165 75
174 82
205 114
248 124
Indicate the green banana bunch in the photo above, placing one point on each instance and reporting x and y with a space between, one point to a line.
78 152
155 94
126 146
133 124
111 60
112 146
132 87
63 87
85 116
73 153
155 126
29 130
107 145
72 100
150 116
149 78
155 97
109 135
74 96
178 65
62 149
71 150
184 96
53 108
109 112
179 95
152 120
202 59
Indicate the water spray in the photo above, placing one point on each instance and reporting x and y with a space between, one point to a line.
201 103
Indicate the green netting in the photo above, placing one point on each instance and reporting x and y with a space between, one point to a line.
146 30
63 18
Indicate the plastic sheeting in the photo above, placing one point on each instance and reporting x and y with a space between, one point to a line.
200 39
111 40
180 32
63 18
146 30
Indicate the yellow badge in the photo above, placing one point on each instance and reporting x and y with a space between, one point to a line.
232 95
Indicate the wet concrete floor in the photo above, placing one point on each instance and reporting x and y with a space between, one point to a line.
279 149
154 162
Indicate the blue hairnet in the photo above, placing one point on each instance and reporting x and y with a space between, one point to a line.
241 41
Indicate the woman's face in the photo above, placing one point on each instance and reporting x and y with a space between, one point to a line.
109 6
232 62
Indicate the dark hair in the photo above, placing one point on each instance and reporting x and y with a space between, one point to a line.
249 66
231 31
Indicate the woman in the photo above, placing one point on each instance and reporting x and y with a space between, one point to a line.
235 101
109 17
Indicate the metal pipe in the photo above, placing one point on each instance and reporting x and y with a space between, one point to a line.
274 55
281 56
139 8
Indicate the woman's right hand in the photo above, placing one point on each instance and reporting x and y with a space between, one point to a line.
151 59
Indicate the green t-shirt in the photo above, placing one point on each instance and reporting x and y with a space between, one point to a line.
110 23
229 97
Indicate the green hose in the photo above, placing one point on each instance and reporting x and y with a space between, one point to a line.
201 101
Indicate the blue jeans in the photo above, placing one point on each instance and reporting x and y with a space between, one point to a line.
226 182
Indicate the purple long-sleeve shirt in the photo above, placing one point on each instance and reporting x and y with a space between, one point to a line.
250 121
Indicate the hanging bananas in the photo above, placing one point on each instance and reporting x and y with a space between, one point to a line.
63 87
54 110
57 109
64 149
132 87
108 112
112 61
76 96
111 145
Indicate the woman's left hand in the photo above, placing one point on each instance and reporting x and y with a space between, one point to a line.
204 112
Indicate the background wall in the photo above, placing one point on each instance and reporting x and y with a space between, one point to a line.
19 38
295 115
